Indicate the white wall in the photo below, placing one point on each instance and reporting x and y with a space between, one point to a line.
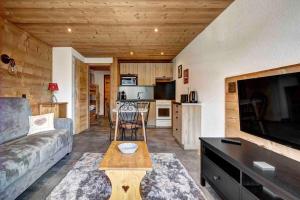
99 80
62 73
248 36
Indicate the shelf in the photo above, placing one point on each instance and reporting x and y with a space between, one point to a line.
231 170
257 189
236 161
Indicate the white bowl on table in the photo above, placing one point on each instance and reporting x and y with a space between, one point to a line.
127 147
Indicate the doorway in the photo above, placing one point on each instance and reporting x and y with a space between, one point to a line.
106 94
99 93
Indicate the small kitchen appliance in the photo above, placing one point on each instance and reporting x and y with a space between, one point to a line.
193 97
163 113
184 98
129 80
123 95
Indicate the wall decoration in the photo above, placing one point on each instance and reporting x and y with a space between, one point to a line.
12 68
186 76
232 87
180 71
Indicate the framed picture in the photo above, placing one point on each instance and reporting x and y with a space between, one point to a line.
180 71
232 87
186 76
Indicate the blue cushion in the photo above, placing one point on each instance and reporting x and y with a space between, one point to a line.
14 122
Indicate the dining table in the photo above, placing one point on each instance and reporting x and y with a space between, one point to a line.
141 111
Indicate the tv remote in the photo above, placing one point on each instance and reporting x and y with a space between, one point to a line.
231 141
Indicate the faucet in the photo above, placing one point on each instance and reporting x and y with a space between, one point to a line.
138 95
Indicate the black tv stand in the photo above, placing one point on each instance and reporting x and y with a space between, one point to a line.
230 171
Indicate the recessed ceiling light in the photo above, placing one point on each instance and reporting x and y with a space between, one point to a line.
69 30
156 30
131 53
162 53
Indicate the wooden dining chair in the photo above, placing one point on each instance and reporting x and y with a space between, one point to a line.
112 124
128 119
144 105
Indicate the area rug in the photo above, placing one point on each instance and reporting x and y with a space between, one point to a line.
168 180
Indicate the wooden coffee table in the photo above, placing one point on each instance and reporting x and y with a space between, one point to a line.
126 171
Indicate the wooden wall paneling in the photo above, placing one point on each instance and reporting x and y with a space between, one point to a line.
232 123
34 62
114 82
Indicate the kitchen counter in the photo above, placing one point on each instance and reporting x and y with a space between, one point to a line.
188 104
191 104
137 100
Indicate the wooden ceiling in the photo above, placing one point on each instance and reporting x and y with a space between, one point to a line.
115 27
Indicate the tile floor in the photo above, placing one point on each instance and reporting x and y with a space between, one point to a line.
96 139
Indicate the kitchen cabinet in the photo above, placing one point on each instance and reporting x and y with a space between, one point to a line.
186 124
163 70
147 72
129 68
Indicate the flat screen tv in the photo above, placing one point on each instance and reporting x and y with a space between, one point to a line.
165 90
269 107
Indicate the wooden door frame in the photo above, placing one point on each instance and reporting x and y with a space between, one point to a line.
105 75
77 75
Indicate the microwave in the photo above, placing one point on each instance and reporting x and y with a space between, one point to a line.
128 80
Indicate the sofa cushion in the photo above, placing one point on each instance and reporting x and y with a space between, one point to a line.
19 156
14 121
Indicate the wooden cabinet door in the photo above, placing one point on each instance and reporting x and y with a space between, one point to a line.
49 108
142 73
129 68
150 74
169 70
159 70
146 74
81 99
163 70
133 68
123 68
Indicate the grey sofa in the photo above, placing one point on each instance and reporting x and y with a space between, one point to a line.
23 159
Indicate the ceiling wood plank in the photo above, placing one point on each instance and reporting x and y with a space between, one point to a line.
115 27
